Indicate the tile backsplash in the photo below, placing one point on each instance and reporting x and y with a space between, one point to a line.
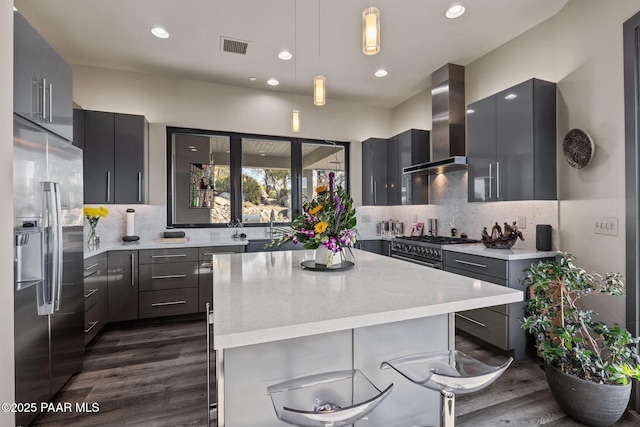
447 202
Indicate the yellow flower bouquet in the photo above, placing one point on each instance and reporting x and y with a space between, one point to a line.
93 215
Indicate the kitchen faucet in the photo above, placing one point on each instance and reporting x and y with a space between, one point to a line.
272 218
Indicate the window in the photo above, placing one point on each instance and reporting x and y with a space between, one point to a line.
217 178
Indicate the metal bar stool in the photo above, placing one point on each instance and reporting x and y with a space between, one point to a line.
450 373
332 399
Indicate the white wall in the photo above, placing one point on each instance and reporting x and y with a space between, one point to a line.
184 103
7 382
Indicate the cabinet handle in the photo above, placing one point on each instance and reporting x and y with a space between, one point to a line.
108 186
44 99
91 266
474 264
133 271
471 320
139 186
169 256
490 179
498 180
161 304
170 276
206 264
91 274
50 103
91 292
94 323
219 253
375 193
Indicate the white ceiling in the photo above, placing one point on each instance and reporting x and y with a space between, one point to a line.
416 39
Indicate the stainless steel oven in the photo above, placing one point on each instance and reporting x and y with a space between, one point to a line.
424 250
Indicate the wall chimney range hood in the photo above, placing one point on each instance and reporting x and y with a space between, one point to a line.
448 147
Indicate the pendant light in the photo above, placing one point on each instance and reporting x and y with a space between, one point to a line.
295 121
319 81
371 31
319 90
295 114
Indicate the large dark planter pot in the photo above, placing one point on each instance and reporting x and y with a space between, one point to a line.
590 403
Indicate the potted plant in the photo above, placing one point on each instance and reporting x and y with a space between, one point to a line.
587 363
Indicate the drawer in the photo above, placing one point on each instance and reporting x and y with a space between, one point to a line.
168 302
172 275
476 275
161 256
94 320
95 265
205 253
476 264
485 324
94 293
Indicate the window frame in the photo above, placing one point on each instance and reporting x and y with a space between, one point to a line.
235 167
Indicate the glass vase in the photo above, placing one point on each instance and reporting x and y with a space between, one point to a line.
94 239
323 255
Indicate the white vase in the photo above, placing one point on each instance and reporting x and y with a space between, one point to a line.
322 256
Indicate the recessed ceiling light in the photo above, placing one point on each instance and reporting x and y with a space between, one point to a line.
470 111
192 146
285 55
455 11
511 96
160 32
253 79
193 149
381 73
273 82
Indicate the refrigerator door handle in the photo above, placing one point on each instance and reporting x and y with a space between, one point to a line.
52 191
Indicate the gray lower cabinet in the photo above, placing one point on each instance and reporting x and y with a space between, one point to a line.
42 81
382 247
498 325
205 272
95 296
122 292
168 282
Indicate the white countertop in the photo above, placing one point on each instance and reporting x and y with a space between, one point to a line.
152 244
515 253
266 296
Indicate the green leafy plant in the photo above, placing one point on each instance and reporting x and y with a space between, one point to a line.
566 335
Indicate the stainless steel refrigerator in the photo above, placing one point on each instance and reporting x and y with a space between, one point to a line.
48 263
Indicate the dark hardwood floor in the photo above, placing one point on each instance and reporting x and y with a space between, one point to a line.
154 374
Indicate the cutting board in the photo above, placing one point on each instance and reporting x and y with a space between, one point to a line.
172 239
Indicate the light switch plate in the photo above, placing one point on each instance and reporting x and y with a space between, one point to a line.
522 222
366 218
605 225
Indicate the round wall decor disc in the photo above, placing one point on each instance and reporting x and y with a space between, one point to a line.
578 148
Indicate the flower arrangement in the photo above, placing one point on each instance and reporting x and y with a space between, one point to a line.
93 215
328 220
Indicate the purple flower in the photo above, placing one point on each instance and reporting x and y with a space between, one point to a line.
331 175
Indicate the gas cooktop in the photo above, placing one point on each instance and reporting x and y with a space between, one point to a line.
440 240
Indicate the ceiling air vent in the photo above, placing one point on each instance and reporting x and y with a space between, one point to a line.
233 46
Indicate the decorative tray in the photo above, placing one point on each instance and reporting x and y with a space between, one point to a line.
310 264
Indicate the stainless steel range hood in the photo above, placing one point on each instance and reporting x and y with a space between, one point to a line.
448 147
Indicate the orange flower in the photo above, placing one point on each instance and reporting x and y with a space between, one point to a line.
321 227
315 210
322 189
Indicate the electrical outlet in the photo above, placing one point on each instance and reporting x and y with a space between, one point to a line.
605 225
415 219
522 222
366 219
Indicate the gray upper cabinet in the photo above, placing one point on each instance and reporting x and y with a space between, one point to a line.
406 149
114 158
374 172
43 91
383 182
512 144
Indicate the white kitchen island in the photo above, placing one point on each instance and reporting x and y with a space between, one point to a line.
274 321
